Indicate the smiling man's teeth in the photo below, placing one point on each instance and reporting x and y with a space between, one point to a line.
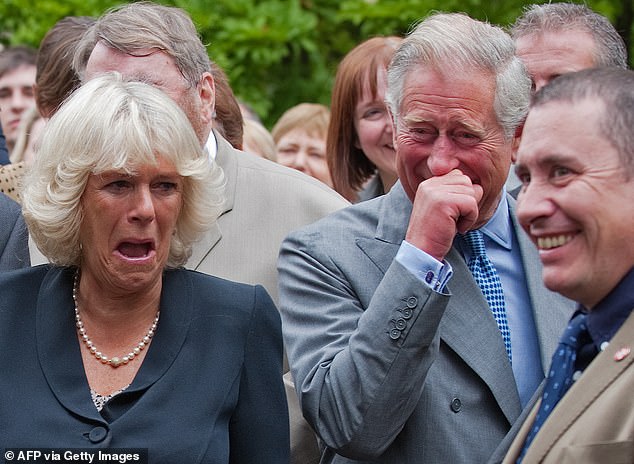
546 243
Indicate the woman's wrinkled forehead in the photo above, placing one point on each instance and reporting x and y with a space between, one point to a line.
128 161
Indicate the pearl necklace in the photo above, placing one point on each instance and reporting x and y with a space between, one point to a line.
115 361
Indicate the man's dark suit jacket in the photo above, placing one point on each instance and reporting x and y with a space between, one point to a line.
14 238
209 389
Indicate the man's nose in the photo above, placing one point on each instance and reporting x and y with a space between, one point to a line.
533 203
19 101
442 158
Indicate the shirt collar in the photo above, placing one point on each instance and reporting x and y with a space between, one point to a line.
607 317
211 146
498 228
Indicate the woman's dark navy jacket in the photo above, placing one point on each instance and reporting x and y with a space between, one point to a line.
209 390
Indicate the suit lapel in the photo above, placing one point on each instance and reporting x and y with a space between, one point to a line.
394 212
226 159
203 247
57 344
176 315
551 311
601 373
517 445
466 313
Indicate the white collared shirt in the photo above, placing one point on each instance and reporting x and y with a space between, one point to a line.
212 146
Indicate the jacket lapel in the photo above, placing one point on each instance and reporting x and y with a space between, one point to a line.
227 161
58 346
394 211
203 247
601 373
551 311
176 315
467 314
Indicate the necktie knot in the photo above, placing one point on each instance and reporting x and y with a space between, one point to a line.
475 240
574 335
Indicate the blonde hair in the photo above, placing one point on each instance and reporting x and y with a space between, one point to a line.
258 140
313 118
111 124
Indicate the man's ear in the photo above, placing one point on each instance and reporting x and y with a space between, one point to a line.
516 142
207 94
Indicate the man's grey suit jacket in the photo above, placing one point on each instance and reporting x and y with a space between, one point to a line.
386 369
14 249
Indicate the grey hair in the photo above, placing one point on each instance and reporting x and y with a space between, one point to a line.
610 48
455 42
614 87
111 124
136 27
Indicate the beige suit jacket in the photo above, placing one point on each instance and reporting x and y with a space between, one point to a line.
594 421
264 202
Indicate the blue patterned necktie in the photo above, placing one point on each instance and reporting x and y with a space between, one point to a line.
488 280
561 373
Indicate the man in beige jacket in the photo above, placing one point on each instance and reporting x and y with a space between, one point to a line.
576 165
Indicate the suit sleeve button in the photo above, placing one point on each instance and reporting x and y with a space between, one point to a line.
395 334
407 313
400 323
456 405
412 301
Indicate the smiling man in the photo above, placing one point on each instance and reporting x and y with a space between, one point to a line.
397 354
576 164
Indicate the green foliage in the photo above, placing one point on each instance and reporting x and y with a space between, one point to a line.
26 21
277 53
